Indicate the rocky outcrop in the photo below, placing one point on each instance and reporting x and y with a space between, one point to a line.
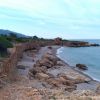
58 41
78 44
81 66
48 61
94 45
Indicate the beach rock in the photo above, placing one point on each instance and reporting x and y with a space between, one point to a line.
70 88
32 72
98 89
49 47
46 62
69 83
42 76
81 66
36 70
41 69
51 58
64 76
59 63
54 82
37 64
21 67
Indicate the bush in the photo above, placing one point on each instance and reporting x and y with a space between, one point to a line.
5 42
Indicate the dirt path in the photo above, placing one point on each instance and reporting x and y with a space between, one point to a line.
24 88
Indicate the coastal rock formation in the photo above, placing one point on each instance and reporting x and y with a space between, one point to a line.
48 61
58 41
95 45
81 66
78 44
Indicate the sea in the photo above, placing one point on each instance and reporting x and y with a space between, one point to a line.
90 56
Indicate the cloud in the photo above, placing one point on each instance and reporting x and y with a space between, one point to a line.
69 17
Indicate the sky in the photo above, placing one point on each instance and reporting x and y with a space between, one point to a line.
69 19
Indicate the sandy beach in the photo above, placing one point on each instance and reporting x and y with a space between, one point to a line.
50 82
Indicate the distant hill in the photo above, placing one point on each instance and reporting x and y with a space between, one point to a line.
7 32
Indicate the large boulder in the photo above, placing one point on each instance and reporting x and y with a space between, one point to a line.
51 58
46 62
66 82
60 63
36 70
81 66
70 88
54 82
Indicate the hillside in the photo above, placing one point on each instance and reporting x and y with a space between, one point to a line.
7 32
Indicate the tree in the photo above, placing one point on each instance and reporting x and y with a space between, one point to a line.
35 38
5 42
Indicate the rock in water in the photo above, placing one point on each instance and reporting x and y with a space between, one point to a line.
81 66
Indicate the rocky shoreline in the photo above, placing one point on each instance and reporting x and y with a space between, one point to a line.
44 76
58 75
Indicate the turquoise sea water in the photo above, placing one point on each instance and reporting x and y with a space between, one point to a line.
89 56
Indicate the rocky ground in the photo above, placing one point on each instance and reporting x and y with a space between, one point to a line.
43 76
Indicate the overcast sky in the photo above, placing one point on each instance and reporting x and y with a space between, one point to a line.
52 18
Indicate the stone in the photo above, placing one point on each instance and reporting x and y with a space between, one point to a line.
36 70
42 76
46 62
59 63
54 82
70 88
49 47
64 76
98 89
32 72
79 80
21 67
51 58
81 66
69 83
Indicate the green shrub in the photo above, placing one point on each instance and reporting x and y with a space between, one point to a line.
5 42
